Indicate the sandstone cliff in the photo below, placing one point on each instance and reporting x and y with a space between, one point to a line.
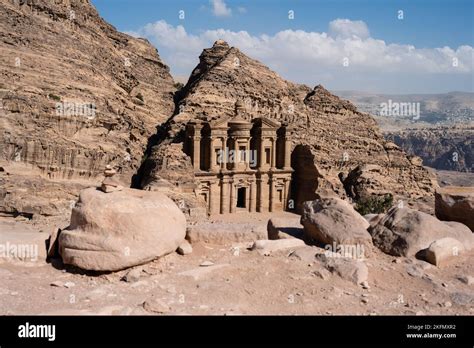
335 147
76 94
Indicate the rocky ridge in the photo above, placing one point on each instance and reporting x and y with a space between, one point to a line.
76 94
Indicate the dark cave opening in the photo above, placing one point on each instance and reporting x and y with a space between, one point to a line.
304 181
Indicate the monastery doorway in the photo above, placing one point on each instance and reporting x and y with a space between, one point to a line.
241 197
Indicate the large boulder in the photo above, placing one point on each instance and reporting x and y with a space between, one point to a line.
443 251
331 220
373 219
405 232
454 203
121 229
353 270
282 228
366 180
266 247
225 232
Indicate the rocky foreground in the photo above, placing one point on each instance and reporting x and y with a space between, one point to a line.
112 259
230 279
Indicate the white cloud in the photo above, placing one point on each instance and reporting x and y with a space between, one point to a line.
312 57
220 9
345 28
241 10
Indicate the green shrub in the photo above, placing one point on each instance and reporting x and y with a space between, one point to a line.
178 85
144 157
54 97
374 204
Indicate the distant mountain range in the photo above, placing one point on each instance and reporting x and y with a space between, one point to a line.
444 148
440 129
434 109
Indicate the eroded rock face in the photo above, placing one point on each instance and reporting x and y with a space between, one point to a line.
405 232
373 179
176 180
29 194
76 94
455 204
334 221
331 138
116 230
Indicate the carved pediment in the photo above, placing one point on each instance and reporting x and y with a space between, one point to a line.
266 122
220 123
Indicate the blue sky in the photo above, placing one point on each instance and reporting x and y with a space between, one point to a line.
382 51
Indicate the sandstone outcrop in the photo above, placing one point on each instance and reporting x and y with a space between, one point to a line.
455 204
330 138
121 229
405 232
177 180
75 93
29 194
